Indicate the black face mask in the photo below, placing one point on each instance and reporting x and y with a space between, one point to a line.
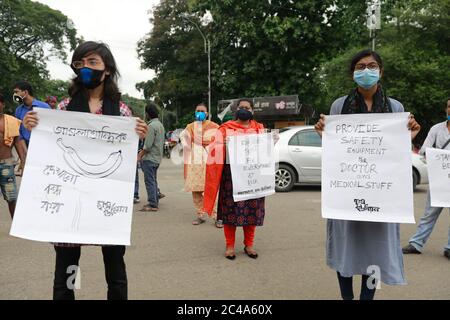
90 78
244 115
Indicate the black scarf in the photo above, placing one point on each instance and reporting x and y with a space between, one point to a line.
80 103
355 103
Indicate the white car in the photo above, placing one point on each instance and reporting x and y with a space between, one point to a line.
300 159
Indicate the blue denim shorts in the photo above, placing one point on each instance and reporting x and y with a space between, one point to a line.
8 180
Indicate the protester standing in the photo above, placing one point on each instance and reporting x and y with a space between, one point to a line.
438 137
94 90
9 138
247 214
23 95
151 157
354 246
196 138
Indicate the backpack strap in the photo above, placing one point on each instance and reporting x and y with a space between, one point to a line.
446 144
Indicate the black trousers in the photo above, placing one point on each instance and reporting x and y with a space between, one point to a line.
115 272
346 285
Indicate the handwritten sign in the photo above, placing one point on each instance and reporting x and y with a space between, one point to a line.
252 164
367 168
438 165
78 181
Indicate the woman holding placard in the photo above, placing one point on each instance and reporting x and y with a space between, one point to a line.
247 214
370 249
93 90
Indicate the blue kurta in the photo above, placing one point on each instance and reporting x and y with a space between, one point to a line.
355 246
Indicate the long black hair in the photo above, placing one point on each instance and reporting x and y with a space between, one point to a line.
111 90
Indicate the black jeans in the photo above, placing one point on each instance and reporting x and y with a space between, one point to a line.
346 285
115 272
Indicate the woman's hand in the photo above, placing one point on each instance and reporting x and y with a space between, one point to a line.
414 126
141 128
320 125
31 120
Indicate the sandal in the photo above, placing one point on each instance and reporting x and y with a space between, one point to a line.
251 255
230 255
198 221
148 209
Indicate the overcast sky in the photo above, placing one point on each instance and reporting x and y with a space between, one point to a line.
120 24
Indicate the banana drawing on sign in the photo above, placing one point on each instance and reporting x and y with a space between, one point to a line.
78 183
93 171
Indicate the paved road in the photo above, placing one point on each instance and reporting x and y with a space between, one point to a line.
171 259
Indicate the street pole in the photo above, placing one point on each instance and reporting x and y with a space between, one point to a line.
373 41
209 80
373 19
208 52
372 37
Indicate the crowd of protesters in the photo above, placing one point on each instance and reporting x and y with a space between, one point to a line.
351 245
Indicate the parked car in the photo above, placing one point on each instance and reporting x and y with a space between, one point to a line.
299 159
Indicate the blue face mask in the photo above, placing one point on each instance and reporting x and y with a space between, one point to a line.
366 78
448 118
200 116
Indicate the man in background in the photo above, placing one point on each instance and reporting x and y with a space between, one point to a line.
23 95
151 157
9 138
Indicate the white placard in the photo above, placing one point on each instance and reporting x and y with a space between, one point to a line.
438 164
78 180
367 168
252 164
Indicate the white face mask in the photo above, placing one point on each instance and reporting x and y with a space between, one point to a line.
18 99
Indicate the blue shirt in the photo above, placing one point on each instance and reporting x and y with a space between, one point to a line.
22 110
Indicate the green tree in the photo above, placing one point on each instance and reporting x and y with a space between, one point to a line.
273 47
27 30
57 88
414 45
136 105
174 49
258 47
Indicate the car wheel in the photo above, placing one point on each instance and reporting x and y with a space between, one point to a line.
284 178
415 179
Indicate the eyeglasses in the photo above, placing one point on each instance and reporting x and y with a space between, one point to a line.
91 63
244 107
370 66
